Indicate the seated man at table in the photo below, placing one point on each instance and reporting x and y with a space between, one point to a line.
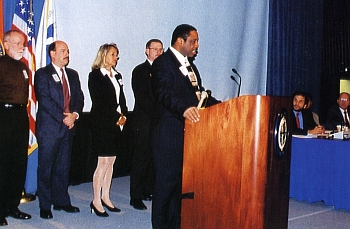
338 114
302 122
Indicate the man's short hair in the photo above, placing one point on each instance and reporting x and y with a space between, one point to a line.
8 34
301 93
148 44
52 47
182 31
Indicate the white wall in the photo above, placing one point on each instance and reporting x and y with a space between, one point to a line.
232 33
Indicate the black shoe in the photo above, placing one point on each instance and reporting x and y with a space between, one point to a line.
3 221
138 204
17 214
112 209
46 214
147 197
68 208
97 212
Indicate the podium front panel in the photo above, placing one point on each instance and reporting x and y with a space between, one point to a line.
231 177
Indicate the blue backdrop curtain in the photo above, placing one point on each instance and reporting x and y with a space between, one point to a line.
295 48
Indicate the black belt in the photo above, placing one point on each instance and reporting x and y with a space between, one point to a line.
11 105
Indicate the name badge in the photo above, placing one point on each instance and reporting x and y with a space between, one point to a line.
55 77
25 74
120 82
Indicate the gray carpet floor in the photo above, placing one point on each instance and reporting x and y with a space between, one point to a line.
81 196
301 215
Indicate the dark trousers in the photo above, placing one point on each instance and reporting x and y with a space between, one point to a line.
14 136
54 157
142 173
167 147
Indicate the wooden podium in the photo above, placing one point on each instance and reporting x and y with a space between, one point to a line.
232 177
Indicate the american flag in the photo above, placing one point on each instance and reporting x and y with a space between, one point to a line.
23 20
1 48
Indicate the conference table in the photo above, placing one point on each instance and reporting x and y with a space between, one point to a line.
320 171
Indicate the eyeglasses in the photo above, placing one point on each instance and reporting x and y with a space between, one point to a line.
19 44
157 49
344 99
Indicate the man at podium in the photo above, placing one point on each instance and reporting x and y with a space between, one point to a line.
178 88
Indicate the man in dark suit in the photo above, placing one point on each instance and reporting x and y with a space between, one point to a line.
60 101
141 174
14 126
302 122
338 114
177 87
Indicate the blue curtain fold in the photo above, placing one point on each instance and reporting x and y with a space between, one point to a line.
295 48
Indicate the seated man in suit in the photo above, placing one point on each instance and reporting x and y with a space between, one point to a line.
338 114
302 122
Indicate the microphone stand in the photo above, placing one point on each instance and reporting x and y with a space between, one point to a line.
239 83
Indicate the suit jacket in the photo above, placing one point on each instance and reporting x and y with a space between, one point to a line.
171 88
175 94
48 91
145 103
104 103
334 118
308 123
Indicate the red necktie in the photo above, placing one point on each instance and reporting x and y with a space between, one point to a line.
297 120
66 96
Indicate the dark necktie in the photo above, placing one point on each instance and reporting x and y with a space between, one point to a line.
66 96
297 120
346 119
193 79
122 99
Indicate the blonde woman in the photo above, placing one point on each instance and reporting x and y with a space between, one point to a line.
108 118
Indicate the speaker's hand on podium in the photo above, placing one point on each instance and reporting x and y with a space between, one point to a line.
192 114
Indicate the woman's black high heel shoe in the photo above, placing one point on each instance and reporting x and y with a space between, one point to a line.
113 209
97 212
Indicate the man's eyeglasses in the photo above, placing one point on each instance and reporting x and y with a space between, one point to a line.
157 49
344 99
19 44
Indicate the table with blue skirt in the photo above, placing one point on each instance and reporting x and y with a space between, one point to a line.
320 171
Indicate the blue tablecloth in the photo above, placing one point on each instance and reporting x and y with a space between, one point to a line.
320 171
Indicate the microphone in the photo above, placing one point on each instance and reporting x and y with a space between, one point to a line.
209 93
233 78
206 99
204 95
240 81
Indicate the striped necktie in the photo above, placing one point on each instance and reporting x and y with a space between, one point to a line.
346 119
193 79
